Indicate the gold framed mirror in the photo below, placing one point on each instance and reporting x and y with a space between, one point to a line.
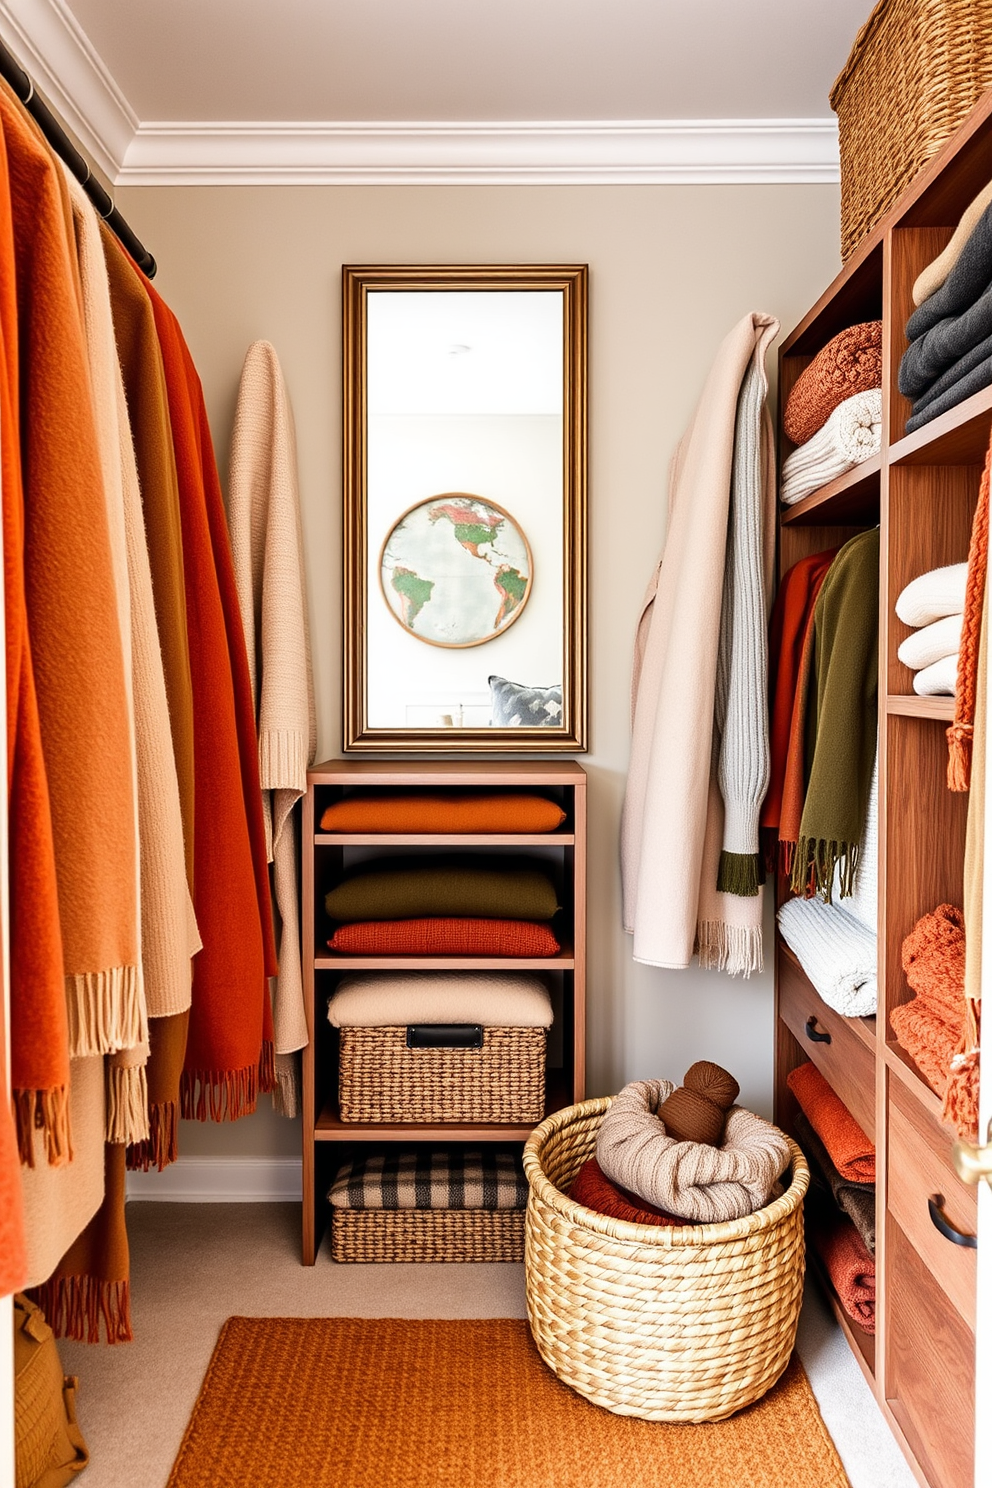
465 507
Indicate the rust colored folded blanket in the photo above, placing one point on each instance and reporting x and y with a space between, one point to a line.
856 1199
593 1189
846 1260
445 937
931 1025
470 887
459 811
850 363
851 1153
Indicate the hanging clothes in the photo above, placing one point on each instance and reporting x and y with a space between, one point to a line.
267 550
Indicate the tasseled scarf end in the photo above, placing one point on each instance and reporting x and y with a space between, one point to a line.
75 1305
815 863
740 873
959 742
226 1095
46 1111
106 1011
162 1145
730 948
960 1106
127 1103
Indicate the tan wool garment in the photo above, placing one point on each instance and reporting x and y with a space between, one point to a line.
263 512
690 1179
60 1202
672 828
493 999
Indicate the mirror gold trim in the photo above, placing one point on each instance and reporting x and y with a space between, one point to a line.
358 281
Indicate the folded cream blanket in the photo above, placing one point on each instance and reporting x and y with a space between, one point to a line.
494 999
837 953
933 595
852 434
931 643
689 1179
938 680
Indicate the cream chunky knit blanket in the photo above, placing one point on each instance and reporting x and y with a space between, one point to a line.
933 596
852 434
837 953
689 1179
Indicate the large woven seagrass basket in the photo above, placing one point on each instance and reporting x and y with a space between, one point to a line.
686 1323
916 69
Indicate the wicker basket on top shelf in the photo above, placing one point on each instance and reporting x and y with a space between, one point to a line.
916 69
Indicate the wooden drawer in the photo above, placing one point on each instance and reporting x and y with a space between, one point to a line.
930 1379
919 1168
844 1060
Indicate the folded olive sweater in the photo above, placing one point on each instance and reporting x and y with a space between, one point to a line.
466 888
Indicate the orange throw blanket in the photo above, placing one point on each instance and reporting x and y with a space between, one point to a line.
229 1055
930 1027
851 1153
846 1260
445 937
960 735
466 811
593 1189
849 363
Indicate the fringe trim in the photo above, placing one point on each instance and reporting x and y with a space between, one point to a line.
740 873
127 1103
74 1305
815 862
106 1011
267 1068
286 1092
162 1145
46 1111
730 948
960 737
960 1106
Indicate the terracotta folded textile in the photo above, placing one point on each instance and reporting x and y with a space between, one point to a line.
856 1199
592 1188
469 887
934 1027
846 1260
459 811
445 937
849 363
851 1152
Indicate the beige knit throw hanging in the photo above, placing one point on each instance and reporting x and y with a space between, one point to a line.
267 548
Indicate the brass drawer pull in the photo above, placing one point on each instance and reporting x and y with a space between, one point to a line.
812 1032
935 1203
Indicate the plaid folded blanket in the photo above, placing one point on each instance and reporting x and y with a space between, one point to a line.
432 1180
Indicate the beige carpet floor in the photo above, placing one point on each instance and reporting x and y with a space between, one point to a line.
195 1265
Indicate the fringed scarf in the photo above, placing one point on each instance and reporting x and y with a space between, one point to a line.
959 735
845 724
229 1055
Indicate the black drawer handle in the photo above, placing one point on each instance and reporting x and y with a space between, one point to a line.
444 1036
812 1032
935 1203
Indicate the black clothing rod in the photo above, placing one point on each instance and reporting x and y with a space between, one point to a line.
60 142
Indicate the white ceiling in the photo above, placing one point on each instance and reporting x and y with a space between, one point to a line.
225 91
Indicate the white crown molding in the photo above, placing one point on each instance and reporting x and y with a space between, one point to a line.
222 1180
662 152
57 54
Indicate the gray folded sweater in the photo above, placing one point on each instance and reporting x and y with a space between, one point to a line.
966 283
930 355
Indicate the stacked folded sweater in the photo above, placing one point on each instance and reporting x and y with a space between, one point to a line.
933 605
930 1026
834 412
462 906
396 999
949 357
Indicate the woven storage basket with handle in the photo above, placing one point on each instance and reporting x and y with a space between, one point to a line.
916 69
686 1323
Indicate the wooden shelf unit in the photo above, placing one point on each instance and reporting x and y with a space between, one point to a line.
921 491
327 1140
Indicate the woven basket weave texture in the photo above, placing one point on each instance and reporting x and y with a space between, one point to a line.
425 1235
915 71
690 1323
381 1080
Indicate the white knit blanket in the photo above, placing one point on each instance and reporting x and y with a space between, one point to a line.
852 434
933 595
837 953
493 999
938 680
932 643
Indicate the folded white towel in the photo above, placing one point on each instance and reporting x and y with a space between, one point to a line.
494 999
938 680
933 595
837 953
852 433
932 643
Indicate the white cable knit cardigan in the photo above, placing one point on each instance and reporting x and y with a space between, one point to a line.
267 547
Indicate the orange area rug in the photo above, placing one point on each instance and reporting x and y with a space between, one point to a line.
365 1403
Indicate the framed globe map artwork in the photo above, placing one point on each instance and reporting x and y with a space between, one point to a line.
456 570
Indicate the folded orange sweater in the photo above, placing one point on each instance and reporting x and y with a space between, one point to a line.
851 1153
444 937
455 811
849 363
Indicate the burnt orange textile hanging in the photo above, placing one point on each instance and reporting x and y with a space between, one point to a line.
961 732
39 1025
13 1250
229 1056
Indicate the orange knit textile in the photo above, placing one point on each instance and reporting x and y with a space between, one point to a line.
931 1026
851 1153
468 811
933 960
961 731
847 1261
445 937
593 1189
850 363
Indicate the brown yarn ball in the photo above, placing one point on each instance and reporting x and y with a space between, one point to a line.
697 1110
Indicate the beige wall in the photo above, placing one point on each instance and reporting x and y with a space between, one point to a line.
672 268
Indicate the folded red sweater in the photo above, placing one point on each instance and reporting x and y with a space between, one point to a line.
445 937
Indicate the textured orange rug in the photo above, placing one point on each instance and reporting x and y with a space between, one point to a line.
389 1403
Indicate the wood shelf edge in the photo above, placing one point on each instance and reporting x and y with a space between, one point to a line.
841 500
911 705
958 437
902 1066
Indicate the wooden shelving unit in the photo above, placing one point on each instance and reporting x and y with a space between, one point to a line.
921 491
326 856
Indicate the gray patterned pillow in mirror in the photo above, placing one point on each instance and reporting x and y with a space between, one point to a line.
516 706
